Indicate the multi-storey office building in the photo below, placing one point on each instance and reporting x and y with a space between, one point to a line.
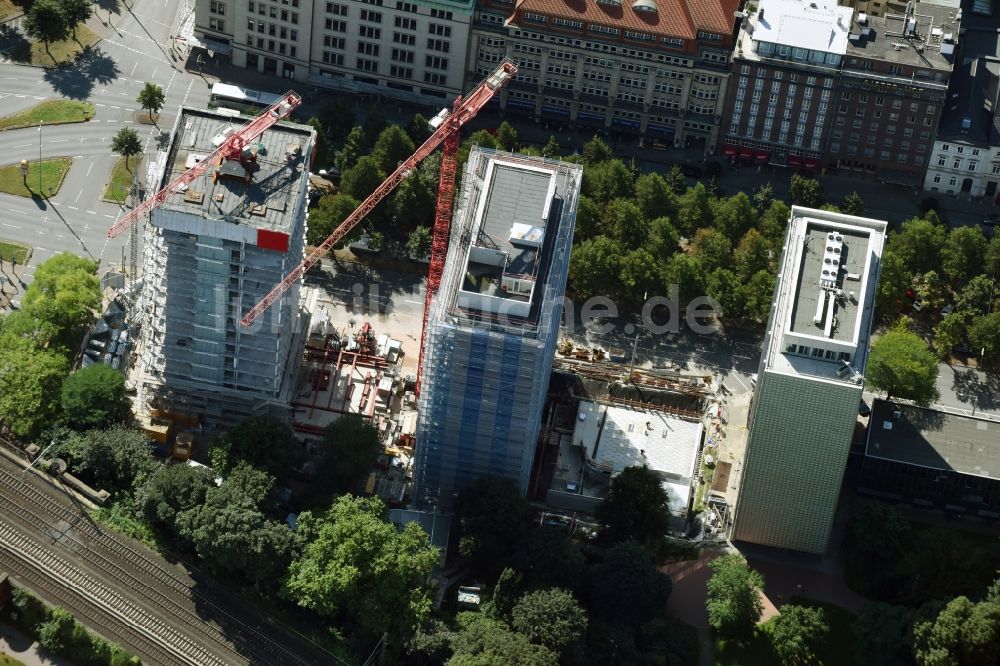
493 326
810 380
211 252
414 51
820 85
653 68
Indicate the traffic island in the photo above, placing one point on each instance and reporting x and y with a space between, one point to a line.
14 180
55 54
52 112
120 180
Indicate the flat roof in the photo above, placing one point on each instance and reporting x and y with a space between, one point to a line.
889 37
818 25
617 437
259 192
934 439
825 294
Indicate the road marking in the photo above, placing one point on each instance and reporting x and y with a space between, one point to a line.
12 226
27 145
91 212
414 302
13 210
89 168
133 68
77 196
110 217
100 105
116 107
737 378
58 140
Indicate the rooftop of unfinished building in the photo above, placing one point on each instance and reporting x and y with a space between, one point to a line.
258 190
516 213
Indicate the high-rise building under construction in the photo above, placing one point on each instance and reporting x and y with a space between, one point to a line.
211 252
494 323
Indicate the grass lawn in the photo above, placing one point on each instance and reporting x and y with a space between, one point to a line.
14 252
116 189
52 112
8 8
7 660
54 170
65 51
838 650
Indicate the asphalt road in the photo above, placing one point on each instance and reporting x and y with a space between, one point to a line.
135 50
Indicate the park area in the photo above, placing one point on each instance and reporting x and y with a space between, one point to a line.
52 112
54 171
14 252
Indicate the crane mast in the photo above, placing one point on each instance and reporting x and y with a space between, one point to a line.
447 132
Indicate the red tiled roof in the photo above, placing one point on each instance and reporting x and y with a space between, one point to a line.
675 18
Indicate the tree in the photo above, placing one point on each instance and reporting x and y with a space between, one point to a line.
493 518
322 147
676 180
327 216
337 119
919 243
351 448
483 641
354 146
641 273
419 129
64 297
951 331
984 334
712 249
361 179
875 549
963 254
902 365
505 595
551 149
606 181
752 254
126 143
735 216
894 280
688 274
30 385
151 96
46 21
507 136
418 243
551 617
992 259
852 204
654 196
548 558
56 633
113 458
758 295
694 210
627 587
392 147
231 533
930 290
263 442
726 287
624 222
963 633
172 490
806 191
881 633
596 151
635 508
663 239
763 196
76 12
734 590
592 265
773 224
355 564
798 633
978 297
95 397
413 203
588 219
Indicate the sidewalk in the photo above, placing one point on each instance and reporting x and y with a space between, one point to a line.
22 648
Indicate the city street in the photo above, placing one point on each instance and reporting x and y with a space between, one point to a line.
135 50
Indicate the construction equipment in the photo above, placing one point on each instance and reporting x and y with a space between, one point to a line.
447 127
230 148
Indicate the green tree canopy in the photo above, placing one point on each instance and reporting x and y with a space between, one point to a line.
355 565
798 633
126 142
694 210
418 243
493 517
663 238
361 179
963 254
992 259
688 274
763 196
984 335
551 149
507 136
596 151
593 266
588 219
484 641
773 224
260 441
733 602
77 12
752 254
113 458
635 508
392 147
758 295
64 297
712 249
726 287
654 196
963 633
321 150
893 282
735 216
806 191
350 449
551 617
327 216
94 397
641 272
151 97
918 243
30 386
881 635
337 119
877 542
548 558
46 21
413 202
172 490
902 365
952 330
852 204
627 587
978 297
624 221
606 181
354 146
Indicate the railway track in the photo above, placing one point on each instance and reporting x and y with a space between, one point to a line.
118 560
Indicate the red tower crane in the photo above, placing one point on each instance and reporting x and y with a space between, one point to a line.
448 133
230 148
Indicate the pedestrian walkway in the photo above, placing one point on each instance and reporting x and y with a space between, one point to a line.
25 649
